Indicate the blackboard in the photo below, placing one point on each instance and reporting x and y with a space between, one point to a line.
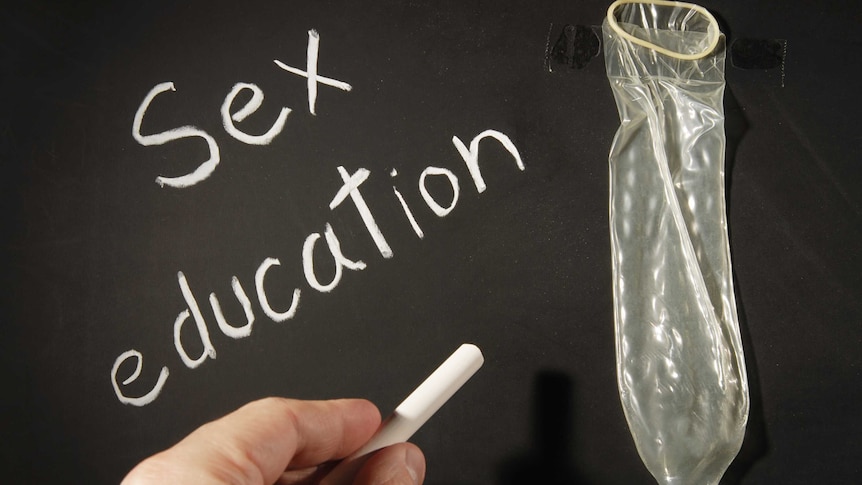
97 252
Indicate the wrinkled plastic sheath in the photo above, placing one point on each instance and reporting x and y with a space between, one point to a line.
680 367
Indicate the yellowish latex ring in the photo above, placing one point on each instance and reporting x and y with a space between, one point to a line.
712 31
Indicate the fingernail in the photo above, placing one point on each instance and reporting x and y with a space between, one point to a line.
415 464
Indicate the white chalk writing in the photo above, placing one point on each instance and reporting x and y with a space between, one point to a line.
349 190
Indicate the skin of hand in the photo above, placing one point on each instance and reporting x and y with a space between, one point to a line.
284 441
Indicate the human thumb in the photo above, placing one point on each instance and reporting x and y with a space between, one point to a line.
401 464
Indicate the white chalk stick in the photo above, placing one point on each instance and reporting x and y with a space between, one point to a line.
414 411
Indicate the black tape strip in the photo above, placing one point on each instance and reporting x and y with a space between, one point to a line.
758 53
575 47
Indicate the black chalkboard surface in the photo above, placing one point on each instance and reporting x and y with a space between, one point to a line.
458 150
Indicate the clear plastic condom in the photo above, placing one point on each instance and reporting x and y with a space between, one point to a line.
680 367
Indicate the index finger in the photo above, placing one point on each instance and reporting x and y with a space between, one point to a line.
256 443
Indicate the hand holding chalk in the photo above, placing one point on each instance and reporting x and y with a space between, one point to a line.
414 411
256 444
266 437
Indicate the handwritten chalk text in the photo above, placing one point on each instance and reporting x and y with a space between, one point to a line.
205 169
280 307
